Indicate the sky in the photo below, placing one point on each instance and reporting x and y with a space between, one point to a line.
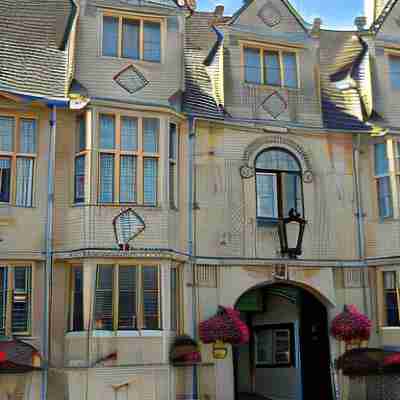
334 13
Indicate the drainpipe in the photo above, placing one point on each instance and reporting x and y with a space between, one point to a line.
49 253
191 147
360 217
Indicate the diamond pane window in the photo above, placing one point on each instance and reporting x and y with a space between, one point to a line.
127 179
6 133
106 178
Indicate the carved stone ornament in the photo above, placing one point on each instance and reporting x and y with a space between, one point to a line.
246 171
308 176
270 15
274 104
127 225
131 79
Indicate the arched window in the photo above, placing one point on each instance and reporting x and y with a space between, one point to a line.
278 184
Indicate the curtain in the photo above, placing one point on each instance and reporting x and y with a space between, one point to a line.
24 181
103 305
127 318
21 299
272 68
5 178
152 41
6 133
394 71
385 197
151 318
127 179
110 36
3 299
77 317
27 136
130 38
81 134
150 181
80 179
129 132
107 131
106 178
267 206
252 67
150 135
290 69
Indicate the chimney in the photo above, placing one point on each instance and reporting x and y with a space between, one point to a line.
316 27
360 23
219 11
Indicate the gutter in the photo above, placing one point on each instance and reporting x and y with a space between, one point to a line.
49 253
192 260
360 221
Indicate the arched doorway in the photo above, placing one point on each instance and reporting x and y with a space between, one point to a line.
288 356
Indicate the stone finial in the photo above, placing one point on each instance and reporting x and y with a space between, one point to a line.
360 23
219 11
316 26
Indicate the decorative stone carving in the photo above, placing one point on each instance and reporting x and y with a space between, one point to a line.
131 79
276 140
308 176
274 104
270 15
246 171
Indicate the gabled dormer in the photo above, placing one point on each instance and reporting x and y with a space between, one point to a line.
271 64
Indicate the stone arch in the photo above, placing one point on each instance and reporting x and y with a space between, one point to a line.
325 300
277 141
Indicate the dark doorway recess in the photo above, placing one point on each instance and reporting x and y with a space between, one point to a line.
293 323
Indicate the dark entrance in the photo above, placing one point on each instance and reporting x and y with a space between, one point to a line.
288 354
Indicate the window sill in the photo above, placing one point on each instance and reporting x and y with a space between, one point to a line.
390 328
271 87
98 333
267 221
131 60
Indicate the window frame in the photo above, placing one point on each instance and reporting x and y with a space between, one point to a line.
279 186
289 327
139 154
81 153
264 48
9 292
16 154
396 291
392 175
176 324
139 297
173 162
133 17
71 298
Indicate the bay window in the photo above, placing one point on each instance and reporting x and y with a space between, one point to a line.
15 300
270 67
278 184
136 38
17 159
127 297
128 159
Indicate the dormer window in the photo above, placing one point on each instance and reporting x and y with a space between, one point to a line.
270 67
132 37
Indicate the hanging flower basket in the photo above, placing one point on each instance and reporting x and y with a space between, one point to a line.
185 351
226 326
351 326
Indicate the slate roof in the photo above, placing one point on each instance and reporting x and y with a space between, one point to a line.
201 45
377 24
33 35
342 60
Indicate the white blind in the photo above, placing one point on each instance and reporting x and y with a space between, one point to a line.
24 181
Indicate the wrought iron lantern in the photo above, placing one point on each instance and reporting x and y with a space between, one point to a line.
291 231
